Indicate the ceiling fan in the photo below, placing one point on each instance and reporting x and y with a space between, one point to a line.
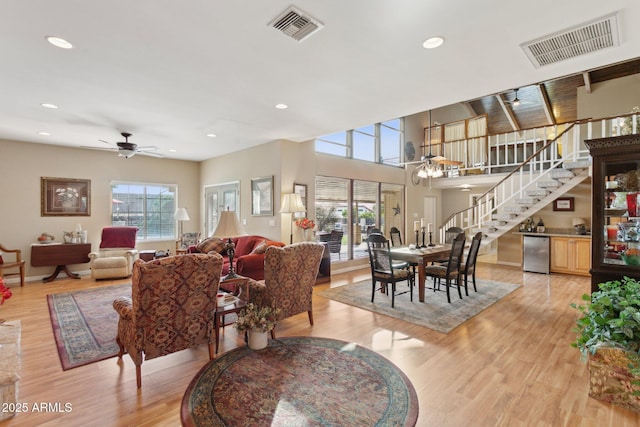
515 101
128 149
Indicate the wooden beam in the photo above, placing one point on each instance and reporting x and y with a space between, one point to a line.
546 104
469 109
587 81
508 112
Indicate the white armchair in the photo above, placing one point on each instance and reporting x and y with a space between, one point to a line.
116 255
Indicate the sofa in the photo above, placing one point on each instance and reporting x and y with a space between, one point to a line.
248 259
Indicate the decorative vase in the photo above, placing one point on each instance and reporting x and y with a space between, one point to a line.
308 235
258 340
610 379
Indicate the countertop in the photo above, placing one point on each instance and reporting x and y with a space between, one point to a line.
557 232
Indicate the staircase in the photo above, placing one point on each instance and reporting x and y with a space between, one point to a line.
556 167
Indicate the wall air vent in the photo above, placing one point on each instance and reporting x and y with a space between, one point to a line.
598 34
296 24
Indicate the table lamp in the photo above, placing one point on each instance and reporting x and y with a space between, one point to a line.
228 227
291 204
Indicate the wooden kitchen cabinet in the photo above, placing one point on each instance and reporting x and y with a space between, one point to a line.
571 255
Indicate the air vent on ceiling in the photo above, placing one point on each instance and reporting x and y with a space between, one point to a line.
296 24
598 34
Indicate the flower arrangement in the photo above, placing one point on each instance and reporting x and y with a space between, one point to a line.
256 318
305 223
5 293
67 194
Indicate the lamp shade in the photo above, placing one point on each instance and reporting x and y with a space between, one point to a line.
181 214
578 221
228 225
292 203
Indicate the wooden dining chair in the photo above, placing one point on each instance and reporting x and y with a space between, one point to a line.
450 271
16 264
385 271
468 267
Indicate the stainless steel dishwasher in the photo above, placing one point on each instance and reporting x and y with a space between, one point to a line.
536 254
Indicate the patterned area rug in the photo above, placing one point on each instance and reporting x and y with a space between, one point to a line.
300 381
85 324
435 313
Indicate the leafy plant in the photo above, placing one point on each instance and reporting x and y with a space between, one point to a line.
611 317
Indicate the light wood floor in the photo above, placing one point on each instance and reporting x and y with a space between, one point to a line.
509 366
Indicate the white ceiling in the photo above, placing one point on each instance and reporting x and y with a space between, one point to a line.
170 72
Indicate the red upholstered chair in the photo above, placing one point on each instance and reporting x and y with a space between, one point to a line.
289 275
116 255
171 307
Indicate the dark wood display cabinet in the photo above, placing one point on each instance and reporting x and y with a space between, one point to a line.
615 193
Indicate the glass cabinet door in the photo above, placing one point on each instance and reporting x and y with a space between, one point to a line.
621 213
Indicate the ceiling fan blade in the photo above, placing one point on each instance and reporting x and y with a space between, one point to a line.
99 148
150 154
107 142
438 158
448 162
148 148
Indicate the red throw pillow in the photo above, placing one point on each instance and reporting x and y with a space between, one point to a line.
212 244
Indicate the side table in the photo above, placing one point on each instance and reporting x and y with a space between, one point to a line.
59 255
238 286
222 311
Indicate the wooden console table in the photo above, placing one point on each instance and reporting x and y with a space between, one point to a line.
59 255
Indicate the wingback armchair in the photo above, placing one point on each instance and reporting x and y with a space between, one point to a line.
171 307
116 255
289 275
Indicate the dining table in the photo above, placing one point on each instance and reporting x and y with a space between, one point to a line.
421 256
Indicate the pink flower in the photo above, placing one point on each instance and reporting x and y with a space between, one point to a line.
305 223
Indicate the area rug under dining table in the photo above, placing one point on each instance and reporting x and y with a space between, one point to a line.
435 312
299 381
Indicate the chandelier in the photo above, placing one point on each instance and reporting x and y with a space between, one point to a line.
429 170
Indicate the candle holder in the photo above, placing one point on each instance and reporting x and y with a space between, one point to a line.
430 239
423 245
417 242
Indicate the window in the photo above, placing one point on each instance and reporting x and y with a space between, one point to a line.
355 208
150 207
335 144
378 143
391 135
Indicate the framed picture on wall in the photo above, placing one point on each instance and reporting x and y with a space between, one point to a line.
301 189
65 197
563 204
262 196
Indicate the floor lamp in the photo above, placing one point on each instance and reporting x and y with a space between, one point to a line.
181 215
291 204
228 227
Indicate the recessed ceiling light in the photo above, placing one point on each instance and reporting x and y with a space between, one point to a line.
211 135
172 151
47 105
44 133
433 42
282 106
59 42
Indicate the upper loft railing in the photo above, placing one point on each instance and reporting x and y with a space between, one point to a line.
546 153
502 153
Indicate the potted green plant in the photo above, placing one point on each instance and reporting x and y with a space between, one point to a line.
257 321
609 338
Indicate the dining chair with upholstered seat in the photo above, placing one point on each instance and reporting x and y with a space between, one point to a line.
450 271
468 267
385 271
17 263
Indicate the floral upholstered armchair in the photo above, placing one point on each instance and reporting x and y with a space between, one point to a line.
171 307
289 275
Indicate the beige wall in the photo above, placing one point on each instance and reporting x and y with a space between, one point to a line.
609 98
24 163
